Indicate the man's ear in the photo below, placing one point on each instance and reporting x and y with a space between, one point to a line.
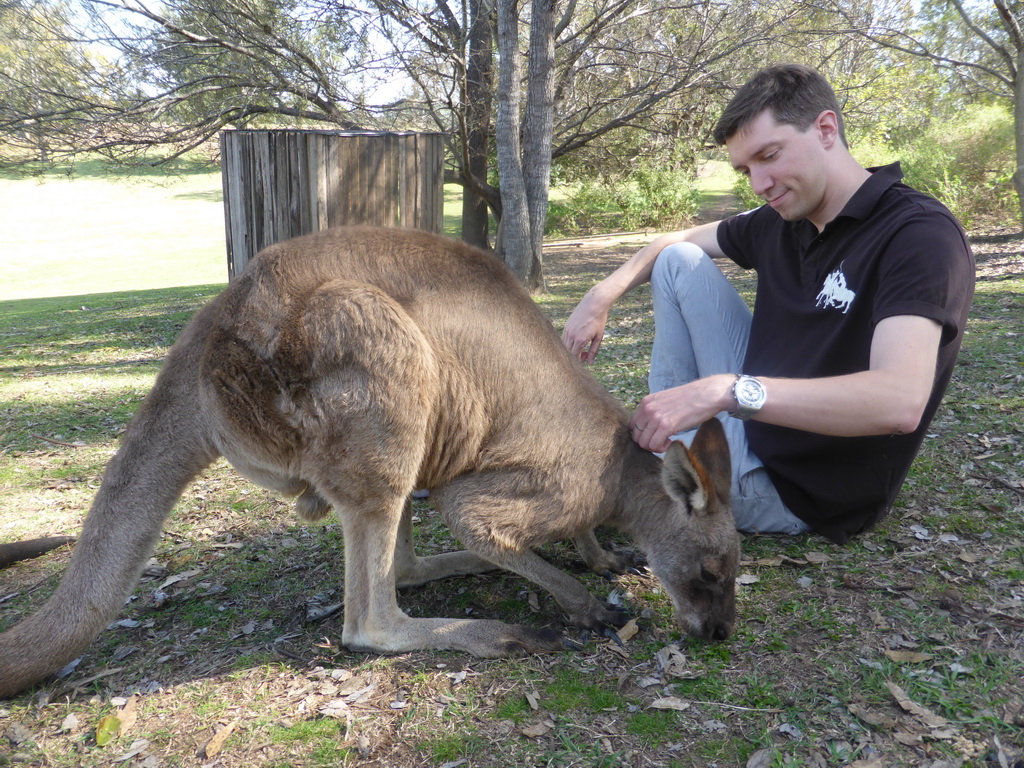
827 124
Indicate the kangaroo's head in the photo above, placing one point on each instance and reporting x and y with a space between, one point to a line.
697 557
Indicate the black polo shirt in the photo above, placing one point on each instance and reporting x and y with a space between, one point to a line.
891 251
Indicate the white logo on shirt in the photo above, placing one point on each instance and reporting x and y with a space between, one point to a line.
834 292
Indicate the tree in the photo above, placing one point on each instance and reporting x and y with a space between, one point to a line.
980 43
175 76
43 74
616 68
446 52
477 127
599 69
524 135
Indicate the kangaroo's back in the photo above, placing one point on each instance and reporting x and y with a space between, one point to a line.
493 345
462 298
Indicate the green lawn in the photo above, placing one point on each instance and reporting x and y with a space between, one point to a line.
101 233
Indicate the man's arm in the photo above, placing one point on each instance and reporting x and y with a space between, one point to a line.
886 399
584 329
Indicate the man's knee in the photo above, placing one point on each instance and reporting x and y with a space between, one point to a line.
757 507
676 262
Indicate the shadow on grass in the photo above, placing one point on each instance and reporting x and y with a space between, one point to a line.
52 335
213 196
999 238
101 168
718 204
94 419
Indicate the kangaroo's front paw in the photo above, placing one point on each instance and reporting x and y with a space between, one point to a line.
600 617
608 563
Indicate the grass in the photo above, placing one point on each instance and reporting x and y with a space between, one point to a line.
94 233
97 233
931 601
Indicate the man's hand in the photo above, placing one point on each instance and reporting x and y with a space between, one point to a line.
886 399
662 414
584 329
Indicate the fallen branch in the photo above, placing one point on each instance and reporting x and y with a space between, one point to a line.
24 550
58 442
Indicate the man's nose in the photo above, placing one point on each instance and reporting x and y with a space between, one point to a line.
760 182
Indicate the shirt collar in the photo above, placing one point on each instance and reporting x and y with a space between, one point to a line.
860 205
870 192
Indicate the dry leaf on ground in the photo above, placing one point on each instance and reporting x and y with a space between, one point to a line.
925 716
670 702
216 744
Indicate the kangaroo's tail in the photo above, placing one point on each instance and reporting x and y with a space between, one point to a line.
165 446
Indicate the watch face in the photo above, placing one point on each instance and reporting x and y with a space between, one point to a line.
750 392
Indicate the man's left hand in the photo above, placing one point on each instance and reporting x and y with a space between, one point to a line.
662 414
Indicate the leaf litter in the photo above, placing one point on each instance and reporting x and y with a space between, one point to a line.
902 617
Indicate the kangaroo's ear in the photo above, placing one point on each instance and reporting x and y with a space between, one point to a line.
693 477
684 481
711 449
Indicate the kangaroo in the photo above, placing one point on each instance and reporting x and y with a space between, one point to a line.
348 368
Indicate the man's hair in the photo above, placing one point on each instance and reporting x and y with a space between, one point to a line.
795 94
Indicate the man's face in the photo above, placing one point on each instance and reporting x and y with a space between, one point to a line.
786 167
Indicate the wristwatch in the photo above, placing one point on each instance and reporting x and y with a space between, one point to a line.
750 396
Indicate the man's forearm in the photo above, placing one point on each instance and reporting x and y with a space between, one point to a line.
855 405
887 399
637 269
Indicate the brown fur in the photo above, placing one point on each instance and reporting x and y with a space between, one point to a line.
353 366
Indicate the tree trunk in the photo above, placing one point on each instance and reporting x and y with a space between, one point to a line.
524 143
514 226
1018 130
538 124
476 220
477 105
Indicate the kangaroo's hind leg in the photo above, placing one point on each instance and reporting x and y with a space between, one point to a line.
412 570
365 413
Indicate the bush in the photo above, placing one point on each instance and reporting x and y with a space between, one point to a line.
649 197
741 188
967 164
872 154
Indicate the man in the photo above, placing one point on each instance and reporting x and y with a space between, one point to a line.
863 291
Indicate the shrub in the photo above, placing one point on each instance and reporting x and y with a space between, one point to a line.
741 188
966 163
648 197
872 154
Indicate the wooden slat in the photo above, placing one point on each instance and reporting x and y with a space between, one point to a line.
283 183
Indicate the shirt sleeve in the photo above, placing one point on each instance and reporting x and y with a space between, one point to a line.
927 271
737 234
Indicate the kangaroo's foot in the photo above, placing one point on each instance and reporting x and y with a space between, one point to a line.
414 571
479 637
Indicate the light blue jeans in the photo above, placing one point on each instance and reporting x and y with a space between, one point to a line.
701 327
